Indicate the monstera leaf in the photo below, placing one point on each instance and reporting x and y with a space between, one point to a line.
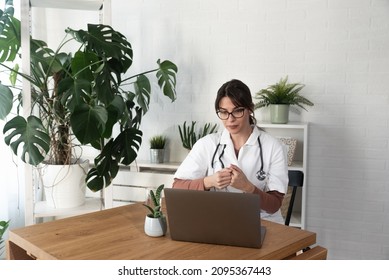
6 98
142 92
10 32
31 135
106 42
92 125
167 78
121 150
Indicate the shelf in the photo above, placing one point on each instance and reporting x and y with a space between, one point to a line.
166 167
289 125
90 5
298 131
39 209
90 205
296 165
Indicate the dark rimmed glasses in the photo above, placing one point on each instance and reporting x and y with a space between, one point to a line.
236 113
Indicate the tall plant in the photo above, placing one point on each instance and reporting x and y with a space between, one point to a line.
80 95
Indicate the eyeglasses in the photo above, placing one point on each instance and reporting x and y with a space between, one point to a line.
236 113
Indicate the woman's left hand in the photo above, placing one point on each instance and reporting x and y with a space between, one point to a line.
239 180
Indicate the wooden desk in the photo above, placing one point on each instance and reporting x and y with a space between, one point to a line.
117 234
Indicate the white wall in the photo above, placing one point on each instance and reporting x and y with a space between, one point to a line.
338 48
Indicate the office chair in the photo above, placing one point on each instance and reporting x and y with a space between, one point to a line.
296 180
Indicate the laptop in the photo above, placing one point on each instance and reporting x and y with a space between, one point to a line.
225 218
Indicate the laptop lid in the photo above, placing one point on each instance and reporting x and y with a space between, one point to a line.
226 218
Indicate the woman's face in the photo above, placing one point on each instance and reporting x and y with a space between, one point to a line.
235 125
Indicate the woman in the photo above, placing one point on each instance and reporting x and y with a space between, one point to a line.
243 158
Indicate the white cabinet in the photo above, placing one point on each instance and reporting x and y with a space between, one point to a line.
298 131
133 183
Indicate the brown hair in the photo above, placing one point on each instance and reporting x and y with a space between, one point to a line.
240 95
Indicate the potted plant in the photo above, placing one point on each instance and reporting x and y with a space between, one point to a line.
77 98
155 222
157 148
279 97
189 135
3 228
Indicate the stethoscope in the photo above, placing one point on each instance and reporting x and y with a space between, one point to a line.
261 175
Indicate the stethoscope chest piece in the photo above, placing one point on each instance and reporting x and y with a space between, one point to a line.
261 175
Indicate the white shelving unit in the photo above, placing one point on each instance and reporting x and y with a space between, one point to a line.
294 130
34 208
298 131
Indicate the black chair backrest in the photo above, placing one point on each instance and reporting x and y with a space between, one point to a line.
296 180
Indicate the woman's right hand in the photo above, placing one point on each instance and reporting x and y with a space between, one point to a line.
219 180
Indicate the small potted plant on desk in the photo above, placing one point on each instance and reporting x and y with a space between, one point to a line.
155 222
157 148
279 97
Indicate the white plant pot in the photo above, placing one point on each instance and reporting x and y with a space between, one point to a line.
155 227
64 185
279 113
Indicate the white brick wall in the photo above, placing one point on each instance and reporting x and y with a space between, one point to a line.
338 48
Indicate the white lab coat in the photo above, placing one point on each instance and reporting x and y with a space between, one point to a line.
203 161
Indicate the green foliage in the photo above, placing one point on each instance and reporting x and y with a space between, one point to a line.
157 142
3 227
189 135
282 93
80 95
155 201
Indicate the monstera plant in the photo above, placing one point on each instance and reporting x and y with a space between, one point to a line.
77 98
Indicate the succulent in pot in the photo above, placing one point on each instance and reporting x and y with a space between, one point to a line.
157 148
157 142
155 221
189 134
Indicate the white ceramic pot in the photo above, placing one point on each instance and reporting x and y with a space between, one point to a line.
64 185
155 227
279 113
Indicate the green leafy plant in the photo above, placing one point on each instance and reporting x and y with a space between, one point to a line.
155 203
157 142
3 227
189 135
282 92
78 96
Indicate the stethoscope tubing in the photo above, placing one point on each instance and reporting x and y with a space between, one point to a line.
261 175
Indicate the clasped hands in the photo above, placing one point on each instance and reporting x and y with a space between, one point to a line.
230 176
